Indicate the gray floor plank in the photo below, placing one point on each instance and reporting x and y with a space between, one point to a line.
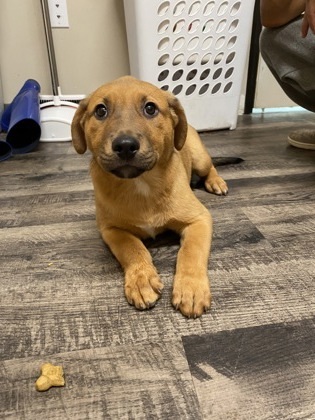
263 372
139 382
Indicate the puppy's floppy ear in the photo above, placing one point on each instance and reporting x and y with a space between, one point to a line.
180 121
77 127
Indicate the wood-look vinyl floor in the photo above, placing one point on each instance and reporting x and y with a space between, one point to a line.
61 292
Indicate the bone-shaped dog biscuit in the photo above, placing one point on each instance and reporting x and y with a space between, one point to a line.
50 376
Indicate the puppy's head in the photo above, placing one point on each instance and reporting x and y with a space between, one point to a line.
129 126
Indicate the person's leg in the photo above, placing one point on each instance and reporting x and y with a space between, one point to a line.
291 60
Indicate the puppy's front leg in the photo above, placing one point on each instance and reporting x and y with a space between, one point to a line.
142 283
191 291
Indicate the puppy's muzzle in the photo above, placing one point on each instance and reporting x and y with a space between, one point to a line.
128 164
125 147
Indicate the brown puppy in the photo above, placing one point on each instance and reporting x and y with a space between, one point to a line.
143 155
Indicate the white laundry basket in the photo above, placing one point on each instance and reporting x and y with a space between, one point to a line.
195 49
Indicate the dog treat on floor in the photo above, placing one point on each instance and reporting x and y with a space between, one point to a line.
50 376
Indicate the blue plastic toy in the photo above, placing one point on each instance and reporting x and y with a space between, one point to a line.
21 119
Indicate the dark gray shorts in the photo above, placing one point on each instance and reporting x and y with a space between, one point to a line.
291 59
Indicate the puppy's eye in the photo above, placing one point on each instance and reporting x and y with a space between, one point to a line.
101 112
150 110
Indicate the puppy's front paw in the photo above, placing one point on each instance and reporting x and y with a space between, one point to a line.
216 185
191 296
143 287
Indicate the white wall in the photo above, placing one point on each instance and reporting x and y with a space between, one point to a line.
91 52
268 92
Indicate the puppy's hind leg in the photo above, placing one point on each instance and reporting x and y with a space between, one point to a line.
202 165
214 183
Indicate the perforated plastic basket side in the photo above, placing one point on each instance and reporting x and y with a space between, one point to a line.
195 49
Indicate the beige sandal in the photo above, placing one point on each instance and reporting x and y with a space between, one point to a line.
303 139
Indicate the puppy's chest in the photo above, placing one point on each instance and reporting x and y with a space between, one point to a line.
143 223
140 225
142 188
150 231
138 209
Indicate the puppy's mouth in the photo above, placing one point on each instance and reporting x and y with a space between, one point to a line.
127 171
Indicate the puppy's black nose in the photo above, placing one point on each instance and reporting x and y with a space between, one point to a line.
125 147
